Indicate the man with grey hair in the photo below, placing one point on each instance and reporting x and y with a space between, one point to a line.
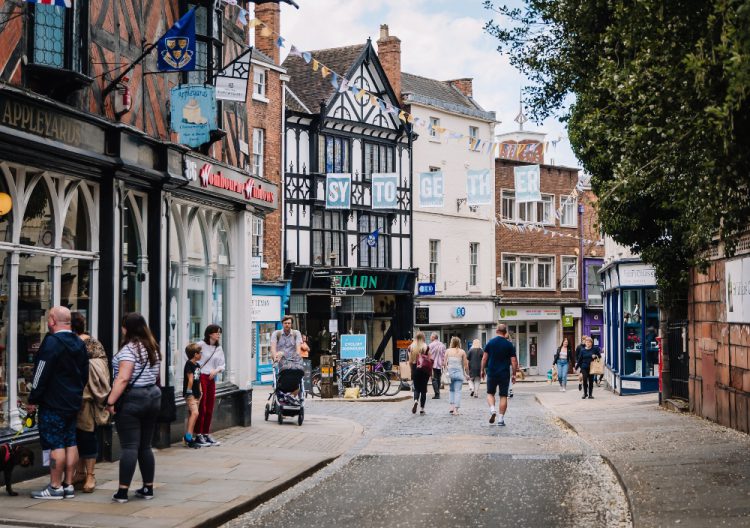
500 364
61 371
437 349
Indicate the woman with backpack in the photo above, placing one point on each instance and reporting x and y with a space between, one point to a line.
421 359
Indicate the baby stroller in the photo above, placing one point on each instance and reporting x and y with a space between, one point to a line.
281 401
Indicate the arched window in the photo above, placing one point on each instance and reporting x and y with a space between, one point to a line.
6 221
38 227
77 228
133 254
197 277
219 290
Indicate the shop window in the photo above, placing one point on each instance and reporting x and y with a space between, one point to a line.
35 291
220 289
76 229
197 278
333 154
632 324
6 221
5 378
264 342
376 255
569 270
328 238
651 328
133 255
75 285
175 304
38 228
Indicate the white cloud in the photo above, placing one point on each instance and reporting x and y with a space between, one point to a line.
438 40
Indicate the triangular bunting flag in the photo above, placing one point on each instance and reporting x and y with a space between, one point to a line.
307 56
316 64
360 94
334 80
255 22
280 42
294 52
324 71
266 31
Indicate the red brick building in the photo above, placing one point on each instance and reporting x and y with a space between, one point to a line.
541 248
718 336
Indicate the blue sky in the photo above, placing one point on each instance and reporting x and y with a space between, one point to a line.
440 39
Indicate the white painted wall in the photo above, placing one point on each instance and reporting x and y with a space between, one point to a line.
454 227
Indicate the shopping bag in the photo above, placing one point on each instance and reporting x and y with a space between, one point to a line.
554 373
597 367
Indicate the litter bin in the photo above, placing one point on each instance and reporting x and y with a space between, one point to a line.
246 406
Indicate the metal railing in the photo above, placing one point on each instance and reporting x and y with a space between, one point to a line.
679 366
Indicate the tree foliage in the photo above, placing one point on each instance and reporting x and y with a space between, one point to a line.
660 117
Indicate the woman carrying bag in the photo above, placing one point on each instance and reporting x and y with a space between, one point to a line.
585 356
419 356
135 401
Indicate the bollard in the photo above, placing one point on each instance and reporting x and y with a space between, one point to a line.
327 387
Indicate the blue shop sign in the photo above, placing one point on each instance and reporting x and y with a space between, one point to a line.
193 113
426 288
353 346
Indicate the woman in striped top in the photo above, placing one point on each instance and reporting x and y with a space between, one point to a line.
134 392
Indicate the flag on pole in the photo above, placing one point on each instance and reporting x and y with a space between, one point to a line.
176 49
372 238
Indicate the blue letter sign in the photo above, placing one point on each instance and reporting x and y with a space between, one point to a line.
338 191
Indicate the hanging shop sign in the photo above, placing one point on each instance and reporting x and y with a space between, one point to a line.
35 119
737 290
479 187
426 288
567 321
229 182
527 178
231 82
431 189
193 113
385 190
338 191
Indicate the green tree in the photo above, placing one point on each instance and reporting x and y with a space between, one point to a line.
660 115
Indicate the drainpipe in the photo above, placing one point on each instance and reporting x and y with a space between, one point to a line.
580 251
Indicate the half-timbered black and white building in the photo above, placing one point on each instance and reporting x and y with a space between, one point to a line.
332 130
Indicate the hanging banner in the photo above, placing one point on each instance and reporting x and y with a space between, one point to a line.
431 187
527 183
338 191
478 187
193 113
385 190
231 82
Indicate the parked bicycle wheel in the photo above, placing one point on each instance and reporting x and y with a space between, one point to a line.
394 382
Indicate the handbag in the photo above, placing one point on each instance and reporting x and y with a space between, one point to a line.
167 407
597 367
118 404
424 363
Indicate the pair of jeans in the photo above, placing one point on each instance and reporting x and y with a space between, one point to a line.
474 383
206 405
436 379
135 424
420 386
562 372
455 392
588 382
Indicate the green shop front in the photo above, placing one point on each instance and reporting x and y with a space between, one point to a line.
631 326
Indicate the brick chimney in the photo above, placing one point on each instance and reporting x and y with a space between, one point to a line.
389 53
463 85
270 14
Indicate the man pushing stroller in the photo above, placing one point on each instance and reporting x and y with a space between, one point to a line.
286 345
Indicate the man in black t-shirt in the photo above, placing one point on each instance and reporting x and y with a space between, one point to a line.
191 391
499 356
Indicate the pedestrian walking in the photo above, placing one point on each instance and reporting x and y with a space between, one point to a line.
457 365
560 361
212 364
286 350
61 371
475 367
437 352
419 355
191 391
580 347
588 352
134 401
93 414
500 364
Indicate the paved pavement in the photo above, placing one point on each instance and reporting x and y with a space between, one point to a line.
677 469
195 487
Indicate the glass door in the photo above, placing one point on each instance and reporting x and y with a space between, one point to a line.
263 359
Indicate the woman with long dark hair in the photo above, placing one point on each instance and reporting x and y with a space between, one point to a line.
561 360
135 400
419 352
212 363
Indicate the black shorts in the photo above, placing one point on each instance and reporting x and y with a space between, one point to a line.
501 382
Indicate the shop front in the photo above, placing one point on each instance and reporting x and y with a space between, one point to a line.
631 325
210 209
374 302
269 302
535 331
467 319
51 165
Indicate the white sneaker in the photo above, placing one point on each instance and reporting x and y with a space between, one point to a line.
49 493
563 389
501 422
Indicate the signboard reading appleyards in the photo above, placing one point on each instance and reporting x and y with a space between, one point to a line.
226 181
47 123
